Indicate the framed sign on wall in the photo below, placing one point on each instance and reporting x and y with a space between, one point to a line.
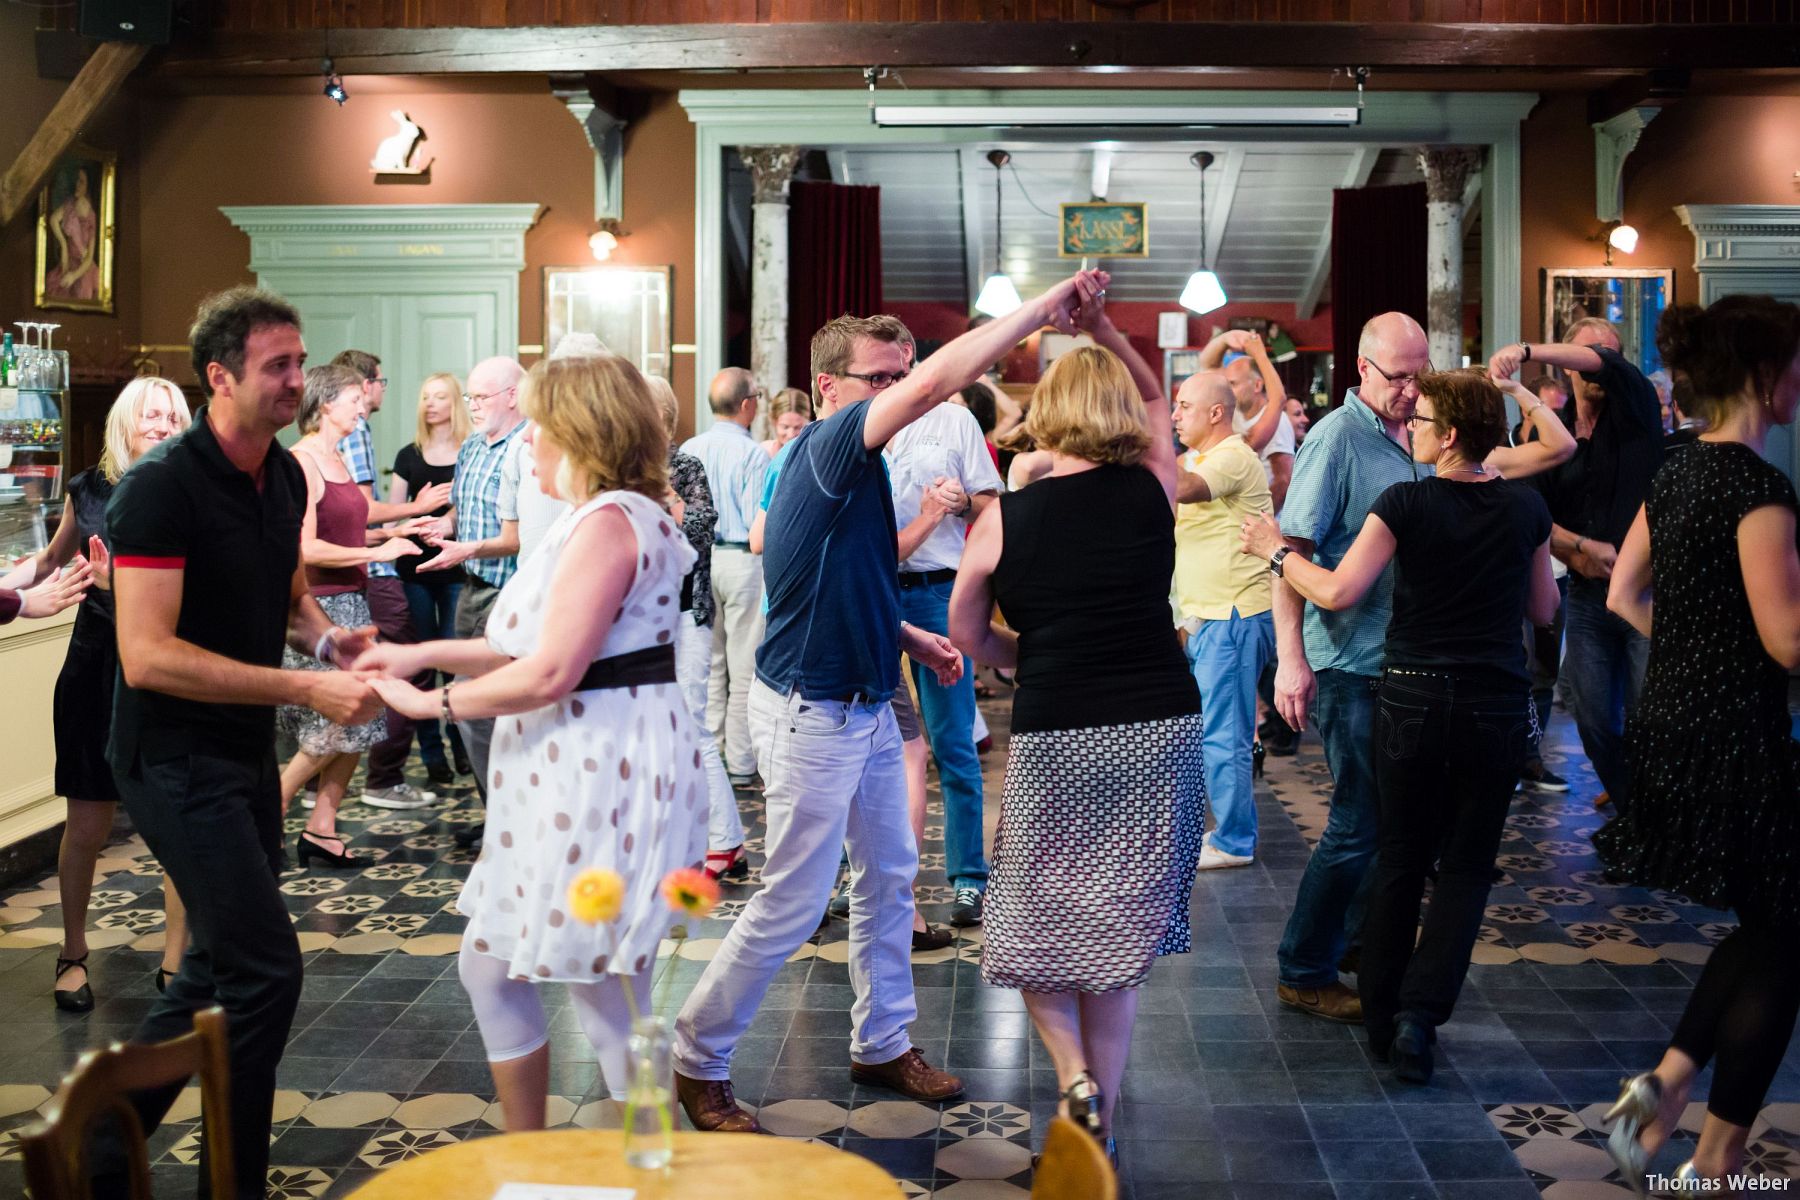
1102 229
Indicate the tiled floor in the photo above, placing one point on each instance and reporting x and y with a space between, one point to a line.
1575 983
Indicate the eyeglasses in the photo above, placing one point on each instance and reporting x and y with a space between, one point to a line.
380 379
469 398
1414 421
878 380
1401 381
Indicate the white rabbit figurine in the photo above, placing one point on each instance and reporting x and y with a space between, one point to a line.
397 149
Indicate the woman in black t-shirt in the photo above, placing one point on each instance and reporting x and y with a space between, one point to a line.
1453 721
431 458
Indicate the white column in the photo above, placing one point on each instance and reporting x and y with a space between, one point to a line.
771 170
1447 172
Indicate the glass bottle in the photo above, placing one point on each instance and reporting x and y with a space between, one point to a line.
649 1098
6 360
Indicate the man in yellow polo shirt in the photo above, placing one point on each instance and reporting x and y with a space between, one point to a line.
1226 601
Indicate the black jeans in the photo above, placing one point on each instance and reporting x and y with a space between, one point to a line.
215 826
1448 748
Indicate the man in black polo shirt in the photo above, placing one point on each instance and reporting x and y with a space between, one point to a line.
208 585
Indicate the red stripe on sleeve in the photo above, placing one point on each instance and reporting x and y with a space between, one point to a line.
149 562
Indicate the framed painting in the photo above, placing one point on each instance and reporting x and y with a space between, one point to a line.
1632 298
630 309
1104 230
76 222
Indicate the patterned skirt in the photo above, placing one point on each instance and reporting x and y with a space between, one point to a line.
316 735
1095 856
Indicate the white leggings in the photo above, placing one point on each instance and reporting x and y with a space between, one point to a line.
511 1015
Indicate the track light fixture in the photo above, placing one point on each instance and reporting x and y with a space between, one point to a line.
334 84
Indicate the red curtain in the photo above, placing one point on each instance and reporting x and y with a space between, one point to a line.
1377 266
834 264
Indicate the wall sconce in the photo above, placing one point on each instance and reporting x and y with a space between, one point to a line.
604 240
1618 236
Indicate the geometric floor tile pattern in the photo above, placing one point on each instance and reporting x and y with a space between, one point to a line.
1574 983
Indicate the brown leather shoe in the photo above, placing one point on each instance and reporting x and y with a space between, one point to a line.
910 1076
1334 1002
712 1106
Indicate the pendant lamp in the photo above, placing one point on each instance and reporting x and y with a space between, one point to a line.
998 295
1203 292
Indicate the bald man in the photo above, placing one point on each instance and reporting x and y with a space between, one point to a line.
1330 662
482 534
735 465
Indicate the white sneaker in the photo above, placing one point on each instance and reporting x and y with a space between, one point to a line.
309 800
401 796
1216 860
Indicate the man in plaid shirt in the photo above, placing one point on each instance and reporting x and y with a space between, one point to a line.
385 786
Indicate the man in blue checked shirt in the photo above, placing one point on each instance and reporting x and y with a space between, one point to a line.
484 536
386 785
1331 661
735 465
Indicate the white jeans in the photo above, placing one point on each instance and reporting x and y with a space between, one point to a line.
834 778
737 628
693 666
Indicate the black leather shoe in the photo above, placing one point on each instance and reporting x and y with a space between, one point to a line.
840 903
468 835
967 909
459 758
933 937
1411 1052
77 1000
440 774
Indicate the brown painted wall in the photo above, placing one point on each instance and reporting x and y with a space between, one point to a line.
1701 150
514 144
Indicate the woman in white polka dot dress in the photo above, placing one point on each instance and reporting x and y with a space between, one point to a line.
595 760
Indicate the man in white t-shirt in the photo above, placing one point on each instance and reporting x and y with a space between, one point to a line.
945 446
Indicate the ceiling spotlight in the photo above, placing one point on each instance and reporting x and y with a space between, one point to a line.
1203 292
334 84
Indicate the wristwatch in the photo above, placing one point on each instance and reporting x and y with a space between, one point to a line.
1524 352
1276 558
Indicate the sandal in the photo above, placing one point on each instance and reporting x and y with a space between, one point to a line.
1082 1097
75 1000
1636 1107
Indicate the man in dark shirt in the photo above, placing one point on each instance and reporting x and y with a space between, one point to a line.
1593 499
821 724
209 586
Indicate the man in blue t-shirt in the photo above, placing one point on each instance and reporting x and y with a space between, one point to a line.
820 721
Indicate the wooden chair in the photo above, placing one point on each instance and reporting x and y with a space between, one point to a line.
1073 1166
55 1148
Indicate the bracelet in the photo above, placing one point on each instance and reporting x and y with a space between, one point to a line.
1524 352
324 648
444 708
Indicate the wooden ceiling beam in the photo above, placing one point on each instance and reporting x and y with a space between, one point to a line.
98 80
1195 46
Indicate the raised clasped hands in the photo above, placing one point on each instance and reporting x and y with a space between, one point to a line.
1505 363
1079 302
1261 536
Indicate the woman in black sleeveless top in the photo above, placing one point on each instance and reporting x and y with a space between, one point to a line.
147 412
1105 796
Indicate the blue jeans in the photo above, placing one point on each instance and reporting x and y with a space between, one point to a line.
1227 657
434 617
1603 670
1333 889
949 716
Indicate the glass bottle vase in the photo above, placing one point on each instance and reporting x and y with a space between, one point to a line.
649 1096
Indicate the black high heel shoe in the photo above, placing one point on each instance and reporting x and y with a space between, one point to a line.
305 850
1257 756
78 1000
1083 1099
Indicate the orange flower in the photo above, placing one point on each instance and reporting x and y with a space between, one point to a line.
689 890
596 895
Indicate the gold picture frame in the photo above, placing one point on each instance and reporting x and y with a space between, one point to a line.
61 222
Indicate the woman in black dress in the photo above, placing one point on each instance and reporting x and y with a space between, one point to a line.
430 458
147 412
1105 796
1710 574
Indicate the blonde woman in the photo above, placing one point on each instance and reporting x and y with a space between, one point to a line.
334 537
596 762
1105 795
789 412
429 459
149 411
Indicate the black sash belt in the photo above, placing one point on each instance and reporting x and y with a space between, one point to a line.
654 664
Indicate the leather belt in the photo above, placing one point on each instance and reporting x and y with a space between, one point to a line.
653 664
913 579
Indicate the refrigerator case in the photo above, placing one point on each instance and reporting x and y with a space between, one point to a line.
32 466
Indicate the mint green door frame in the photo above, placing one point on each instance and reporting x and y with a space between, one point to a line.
726 118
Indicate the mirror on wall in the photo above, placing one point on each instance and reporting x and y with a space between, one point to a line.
630 309
1633 298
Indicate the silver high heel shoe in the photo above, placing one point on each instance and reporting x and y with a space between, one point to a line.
1635 1108
1690 1182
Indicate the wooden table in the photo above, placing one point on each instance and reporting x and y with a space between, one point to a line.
707 1166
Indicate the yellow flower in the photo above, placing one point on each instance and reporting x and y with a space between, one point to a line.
596 896
691 891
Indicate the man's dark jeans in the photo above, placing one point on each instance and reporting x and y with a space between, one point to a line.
1603 672
1329 904
215 826
1447 750
393 617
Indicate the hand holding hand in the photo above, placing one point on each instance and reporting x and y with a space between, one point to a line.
1594 559
431 498
351 644
1505 363
406 699
450 554
382 658
342 697
67 586
1254 345
934 652
1261 536
1235 339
